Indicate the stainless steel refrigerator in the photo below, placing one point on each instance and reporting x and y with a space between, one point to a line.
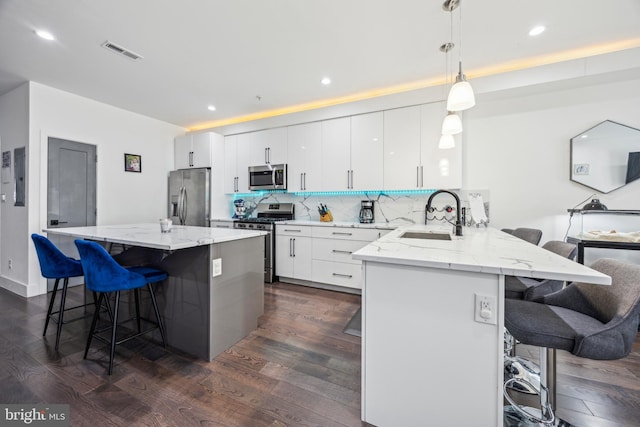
190 196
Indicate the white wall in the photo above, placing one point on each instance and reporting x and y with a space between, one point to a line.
14 132
518 147
122 197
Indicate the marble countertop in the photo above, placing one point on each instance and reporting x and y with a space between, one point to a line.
346 224
479 249
149 235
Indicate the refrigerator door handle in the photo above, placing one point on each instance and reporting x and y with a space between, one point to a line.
181 205
183 220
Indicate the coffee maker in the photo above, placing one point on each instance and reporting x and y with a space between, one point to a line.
366 211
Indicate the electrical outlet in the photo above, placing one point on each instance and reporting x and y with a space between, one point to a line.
216 267
485 309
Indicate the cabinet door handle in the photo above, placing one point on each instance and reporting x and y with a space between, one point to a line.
421 176
269 154
418 176
301 181
222 226
290 246
292 230
341 233
305 180
294 247
336 251
348 179
348 276
351 187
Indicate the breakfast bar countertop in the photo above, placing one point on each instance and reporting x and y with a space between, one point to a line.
486 250
150 236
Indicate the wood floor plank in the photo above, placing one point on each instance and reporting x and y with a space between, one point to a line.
298 368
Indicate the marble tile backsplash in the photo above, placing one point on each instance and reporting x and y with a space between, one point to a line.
390 208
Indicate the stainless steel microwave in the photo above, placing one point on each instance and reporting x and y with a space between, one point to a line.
268 177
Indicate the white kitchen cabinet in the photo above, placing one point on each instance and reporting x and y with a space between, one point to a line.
367 141
304 148
193 150
352 153
268 146
402 167
412 159
293 252
440 168
336 154
230 166
236 163
332 249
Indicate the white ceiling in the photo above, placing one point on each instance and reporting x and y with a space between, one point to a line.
228 52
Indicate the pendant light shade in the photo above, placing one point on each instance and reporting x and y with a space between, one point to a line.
446 141
452 124
461 95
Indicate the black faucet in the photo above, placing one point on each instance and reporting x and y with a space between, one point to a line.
428 209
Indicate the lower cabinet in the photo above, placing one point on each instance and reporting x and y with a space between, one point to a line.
322 254
332 249
293 252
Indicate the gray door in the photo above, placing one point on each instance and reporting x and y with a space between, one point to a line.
71 189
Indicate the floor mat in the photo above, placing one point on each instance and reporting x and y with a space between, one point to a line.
354 327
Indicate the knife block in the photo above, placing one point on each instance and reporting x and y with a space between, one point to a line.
327 217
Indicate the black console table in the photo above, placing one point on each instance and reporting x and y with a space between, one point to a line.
603 244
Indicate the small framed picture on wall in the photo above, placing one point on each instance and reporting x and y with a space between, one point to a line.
132 163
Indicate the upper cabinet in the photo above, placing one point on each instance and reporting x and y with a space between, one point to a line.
193 150
268 146
352 153
303 152
412 159
367 143
336 154
402 167
237 160
385 150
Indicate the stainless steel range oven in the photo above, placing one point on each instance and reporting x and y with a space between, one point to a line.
267 215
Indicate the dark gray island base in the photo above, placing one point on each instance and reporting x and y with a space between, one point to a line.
214 294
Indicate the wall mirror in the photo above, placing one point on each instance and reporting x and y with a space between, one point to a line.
606 157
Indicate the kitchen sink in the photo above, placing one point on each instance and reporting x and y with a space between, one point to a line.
424 235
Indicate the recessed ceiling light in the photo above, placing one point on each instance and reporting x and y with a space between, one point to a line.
537 30
326 81
211 108
45 35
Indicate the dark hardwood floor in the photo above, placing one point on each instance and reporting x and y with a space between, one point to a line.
297 369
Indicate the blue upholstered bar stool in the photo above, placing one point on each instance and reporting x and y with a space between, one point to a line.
56 265
104 275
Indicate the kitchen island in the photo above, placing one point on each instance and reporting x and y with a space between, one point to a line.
430 356
215 290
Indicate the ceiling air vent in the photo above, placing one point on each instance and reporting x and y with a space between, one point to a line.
121 51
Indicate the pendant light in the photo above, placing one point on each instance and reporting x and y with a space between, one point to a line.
461 96
446 142
452 124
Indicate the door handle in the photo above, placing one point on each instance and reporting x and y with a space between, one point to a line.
348 276
294 247
336 251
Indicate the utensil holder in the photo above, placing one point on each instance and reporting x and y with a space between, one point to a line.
327 217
